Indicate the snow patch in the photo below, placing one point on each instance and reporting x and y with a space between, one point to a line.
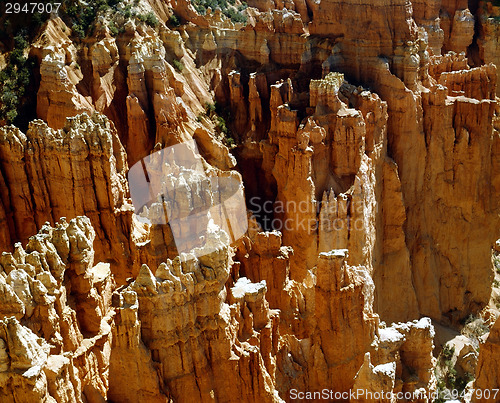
245 287
390 334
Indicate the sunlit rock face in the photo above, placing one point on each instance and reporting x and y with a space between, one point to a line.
240 204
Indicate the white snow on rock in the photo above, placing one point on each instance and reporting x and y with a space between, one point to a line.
389 334
245 287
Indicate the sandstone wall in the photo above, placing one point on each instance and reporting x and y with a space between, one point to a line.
77 170
376 126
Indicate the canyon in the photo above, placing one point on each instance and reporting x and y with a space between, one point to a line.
355 149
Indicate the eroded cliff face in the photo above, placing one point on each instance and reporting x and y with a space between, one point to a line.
77 170
367 146
56 331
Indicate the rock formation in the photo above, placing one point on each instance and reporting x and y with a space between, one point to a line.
57 315
77 170
487 376
364 138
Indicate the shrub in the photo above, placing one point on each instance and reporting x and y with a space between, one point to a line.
127 11
448 352
450 380
496 262
236 16
174 20
210 108
475 327
221 125
230 141
103 8
219 116
81 16
17 55
15 80
151 20
148 18
178 65
112 28
229 10
78 30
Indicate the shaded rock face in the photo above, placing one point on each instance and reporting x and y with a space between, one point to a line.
369 150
